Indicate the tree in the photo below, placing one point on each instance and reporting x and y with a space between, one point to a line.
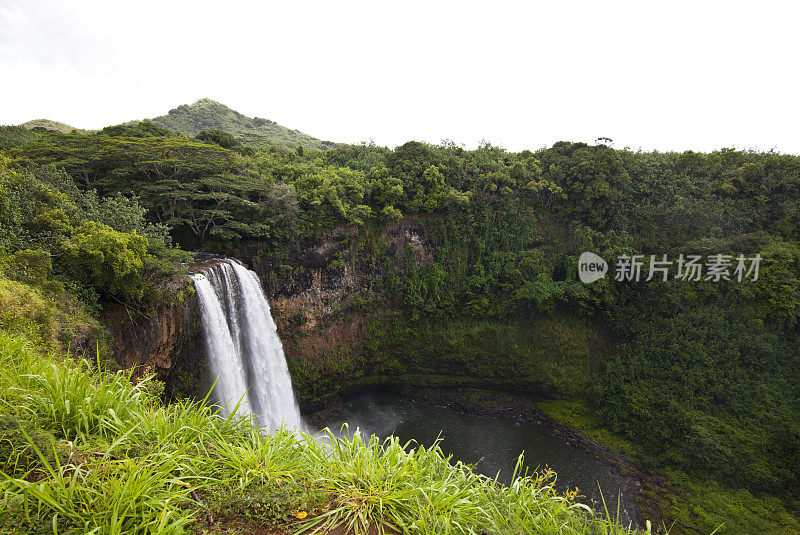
140 129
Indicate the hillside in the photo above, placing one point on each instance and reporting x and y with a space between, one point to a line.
207 114
51 125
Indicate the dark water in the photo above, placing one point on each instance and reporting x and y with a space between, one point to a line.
493 444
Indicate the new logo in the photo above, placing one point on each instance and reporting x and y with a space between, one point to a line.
591 267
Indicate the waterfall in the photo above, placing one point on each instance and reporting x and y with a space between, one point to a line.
245 353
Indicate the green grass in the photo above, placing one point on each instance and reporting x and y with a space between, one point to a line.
575 414
51 319
100 454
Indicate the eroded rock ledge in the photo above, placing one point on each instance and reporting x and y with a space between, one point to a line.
166 341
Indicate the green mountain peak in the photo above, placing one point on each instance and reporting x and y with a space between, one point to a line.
47 124
208 114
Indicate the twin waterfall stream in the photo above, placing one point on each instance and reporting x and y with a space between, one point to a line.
245 353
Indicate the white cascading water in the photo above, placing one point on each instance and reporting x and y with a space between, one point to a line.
244 350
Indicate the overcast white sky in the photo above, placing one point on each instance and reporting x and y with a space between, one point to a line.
664 75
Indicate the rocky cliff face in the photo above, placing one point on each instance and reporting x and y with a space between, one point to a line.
314 292
166 342
325 295
325 273
341 334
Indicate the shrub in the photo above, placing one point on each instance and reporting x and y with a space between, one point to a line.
31 265
110 260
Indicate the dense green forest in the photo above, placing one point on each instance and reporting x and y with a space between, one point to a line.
705 378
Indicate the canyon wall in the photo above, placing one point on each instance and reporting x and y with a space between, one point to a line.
165 341
341 334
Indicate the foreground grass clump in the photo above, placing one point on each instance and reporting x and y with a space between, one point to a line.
87 451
